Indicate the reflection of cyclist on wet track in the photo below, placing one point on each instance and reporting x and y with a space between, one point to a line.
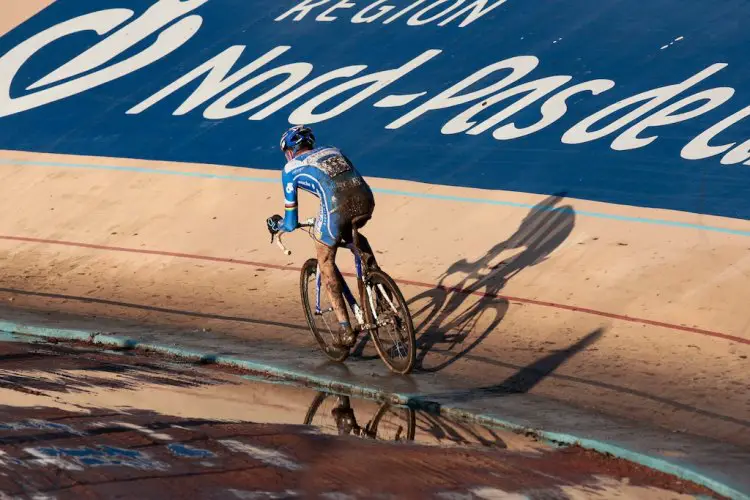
398 422
345 199
343 414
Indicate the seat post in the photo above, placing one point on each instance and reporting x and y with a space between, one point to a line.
355 237
362 264
356 222
357 252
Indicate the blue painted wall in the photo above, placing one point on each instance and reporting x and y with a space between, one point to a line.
609 39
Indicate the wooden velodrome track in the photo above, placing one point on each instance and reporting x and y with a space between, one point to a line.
496 279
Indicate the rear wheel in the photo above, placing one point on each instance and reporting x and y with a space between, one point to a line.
323 324
394 332
390 420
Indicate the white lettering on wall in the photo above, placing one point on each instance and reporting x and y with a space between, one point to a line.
374 83
153 19
361 16
651 99
534 91
478 9
215 82
327 17
101 22
306 88
699 149
220 109
739 154
302 9
553 109
225 86
666 116
417 20
404 11
520 66
437 10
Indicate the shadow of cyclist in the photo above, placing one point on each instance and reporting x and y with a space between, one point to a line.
445 316
528 377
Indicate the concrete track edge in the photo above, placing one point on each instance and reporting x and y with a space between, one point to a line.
681 471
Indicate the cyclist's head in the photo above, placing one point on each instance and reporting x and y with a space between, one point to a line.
295 140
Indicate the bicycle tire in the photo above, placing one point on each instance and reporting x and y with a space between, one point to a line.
411 421
313 408
375 278
338 354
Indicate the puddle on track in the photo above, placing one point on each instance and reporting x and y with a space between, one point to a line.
80 379
77 421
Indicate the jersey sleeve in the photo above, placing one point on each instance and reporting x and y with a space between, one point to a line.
290 201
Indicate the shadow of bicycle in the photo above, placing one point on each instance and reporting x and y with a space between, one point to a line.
453 320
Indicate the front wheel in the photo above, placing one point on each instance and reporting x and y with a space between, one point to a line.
323 324
393 334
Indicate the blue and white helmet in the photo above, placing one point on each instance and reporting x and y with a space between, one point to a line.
297 137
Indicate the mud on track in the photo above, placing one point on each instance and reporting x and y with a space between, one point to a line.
80 422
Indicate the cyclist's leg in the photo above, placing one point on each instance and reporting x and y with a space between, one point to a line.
327 233
344 416
327 262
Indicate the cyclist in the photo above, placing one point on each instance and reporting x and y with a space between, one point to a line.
344 196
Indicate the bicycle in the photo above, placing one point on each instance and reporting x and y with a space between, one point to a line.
385 308
400 421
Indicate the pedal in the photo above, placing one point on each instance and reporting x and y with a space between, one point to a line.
321 313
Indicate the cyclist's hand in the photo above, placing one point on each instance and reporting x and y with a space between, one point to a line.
274 224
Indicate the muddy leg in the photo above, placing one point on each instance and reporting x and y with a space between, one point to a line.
332 280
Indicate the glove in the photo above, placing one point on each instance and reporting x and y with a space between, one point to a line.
274 223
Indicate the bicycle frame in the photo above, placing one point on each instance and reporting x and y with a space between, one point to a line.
348 296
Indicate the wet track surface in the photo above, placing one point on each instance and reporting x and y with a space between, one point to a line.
80 422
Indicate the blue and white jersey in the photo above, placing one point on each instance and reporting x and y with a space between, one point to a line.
325 172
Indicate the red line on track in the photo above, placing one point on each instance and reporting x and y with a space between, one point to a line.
226 260
586 310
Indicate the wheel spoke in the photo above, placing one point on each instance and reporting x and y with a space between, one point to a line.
391 315
394 333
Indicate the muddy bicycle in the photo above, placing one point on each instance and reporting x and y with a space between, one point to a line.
381 310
